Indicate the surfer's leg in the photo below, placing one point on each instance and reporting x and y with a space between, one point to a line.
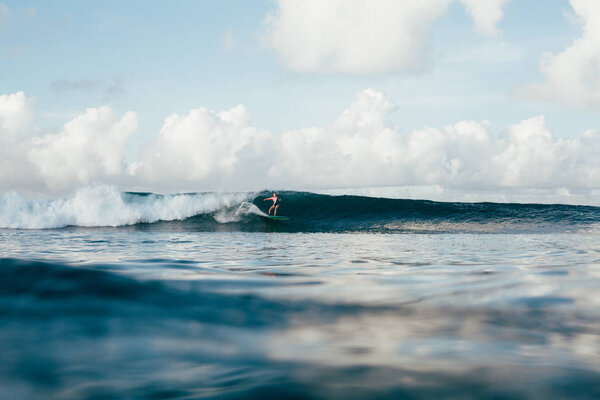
269 213
275 212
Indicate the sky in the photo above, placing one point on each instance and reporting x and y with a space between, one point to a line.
458 100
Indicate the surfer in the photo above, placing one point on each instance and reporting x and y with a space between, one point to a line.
276 201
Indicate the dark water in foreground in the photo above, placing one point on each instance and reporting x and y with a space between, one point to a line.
169 311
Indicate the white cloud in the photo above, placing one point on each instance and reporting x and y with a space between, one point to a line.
354 36
16 113
208 150
486 14
203 146
16 129
364 36
573 76
89 147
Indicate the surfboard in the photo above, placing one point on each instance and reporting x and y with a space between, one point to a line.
277 217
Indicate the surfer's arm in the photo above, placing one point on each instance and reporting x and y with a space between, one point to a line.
269 198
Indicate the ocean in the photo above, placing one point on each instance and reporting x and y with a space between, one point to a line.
111 295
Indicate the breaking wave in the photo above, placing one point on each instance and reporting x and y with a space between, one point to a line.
105 206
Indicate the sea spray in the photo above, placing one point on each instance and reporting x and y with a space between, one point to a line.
227 215
96 206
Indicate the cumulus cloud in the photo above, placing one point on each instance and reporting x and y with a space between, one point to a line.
485 14
16 130
202 146
89 147
16 114
354 36
361 149
209 150
573 76
363 36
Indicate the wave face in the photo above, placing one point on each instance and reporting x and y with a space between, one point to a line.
104 206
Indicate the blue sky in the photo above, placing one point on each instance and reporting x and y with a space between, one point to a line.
161 58
171 57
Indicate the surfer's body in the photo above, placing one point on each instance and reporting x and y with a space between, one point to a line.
275 206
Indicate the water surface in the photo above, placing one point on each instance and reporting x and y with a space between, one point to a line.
487 307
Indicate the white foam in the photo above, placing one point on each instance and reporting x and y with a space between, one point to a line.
593 229
106 206
245 208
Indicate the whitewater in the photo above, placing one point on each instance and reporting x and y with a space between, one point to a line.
124 295
106 206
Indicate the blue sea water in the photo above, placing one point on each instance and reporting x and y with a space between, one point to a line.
109 295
